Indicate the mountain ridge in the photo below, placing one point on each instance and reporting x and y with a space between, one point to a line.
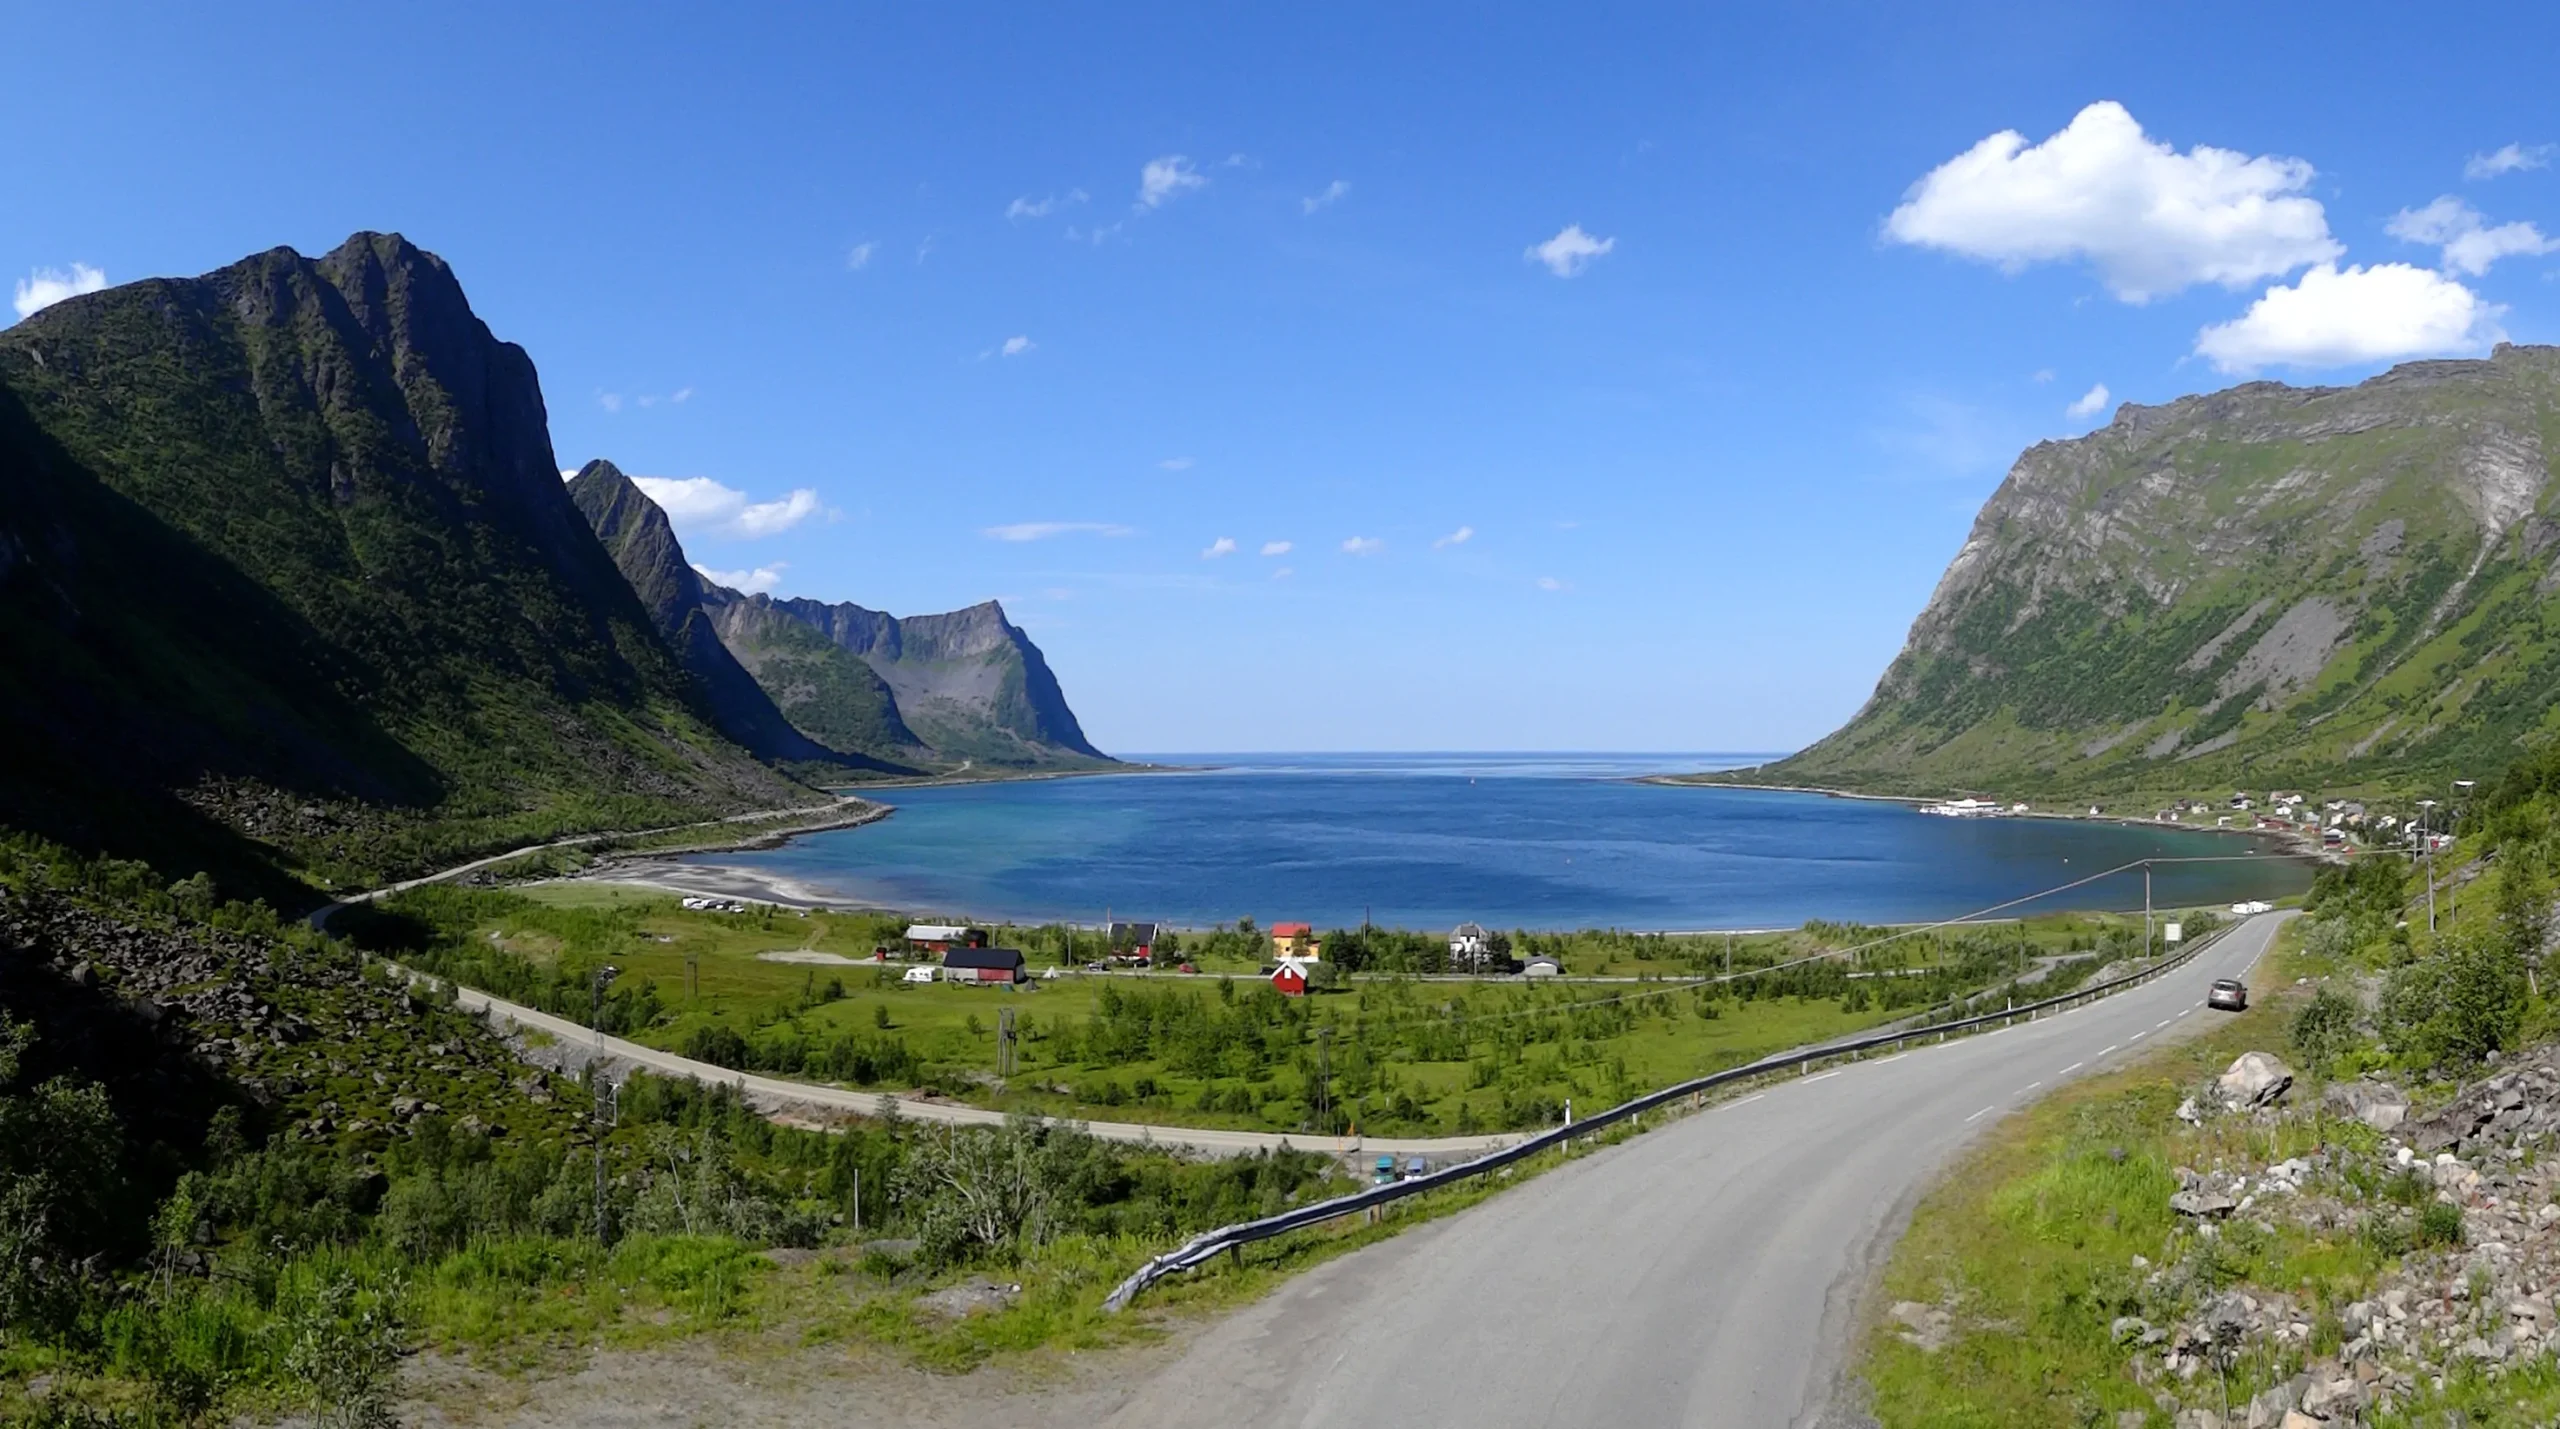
367 628
2266 584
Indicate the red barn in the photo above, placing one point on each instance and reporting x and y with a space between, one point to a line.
1289 980
1004 965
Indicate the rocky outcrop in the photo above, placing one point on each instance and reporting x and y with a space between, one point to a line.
635 530
2255 578
968 686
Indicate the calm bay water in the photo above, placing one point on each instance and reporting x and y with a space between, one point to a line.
1536 841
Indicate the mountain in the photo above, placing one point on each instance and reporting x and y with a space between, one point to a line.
635 530
925 692
287 573
2269 585
969 687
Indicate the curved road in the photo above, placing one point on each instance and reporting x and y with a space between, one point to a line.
1705 1273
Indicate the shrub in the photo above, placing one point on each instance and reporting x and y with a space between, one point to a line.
2327 1026
2455 1007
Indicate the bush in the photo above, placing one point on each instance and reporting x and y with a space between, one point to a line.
2326 1027
2453 1008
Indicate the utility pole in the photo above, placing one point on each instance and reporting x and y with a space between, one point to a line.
2461 794
1004 1042
597 1093
1728 955
2427 848
2146 908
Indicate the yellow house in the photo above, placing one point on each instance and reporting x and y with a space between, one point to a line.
1296 940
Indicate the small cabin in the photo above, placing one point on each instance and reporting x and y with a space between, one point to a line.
1296 940
943 937
1289 979
1135 940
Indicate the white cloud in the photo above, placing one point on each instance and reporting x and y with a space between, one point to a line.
1028 207
700 504
1551 583
1333 194
1164 178
2150 219
1016 346
610 401
1043 530
45 287
1278 548
1569 252
1284 573
1223 546
1363 546
2339 318
859 255
2470 244
2090 404
1458 537
2043 374
681 396
760 581
1175 463
2507 161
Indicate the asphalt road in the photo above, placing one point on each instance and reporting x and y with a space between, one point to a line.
1706 1273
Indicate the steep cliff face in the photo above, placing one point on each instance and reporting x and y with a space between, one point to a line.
2266 584
967 686
635 531
288 561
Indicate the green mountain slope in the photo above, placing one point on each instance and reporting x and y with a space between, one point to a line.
287 572
968 686
2267 585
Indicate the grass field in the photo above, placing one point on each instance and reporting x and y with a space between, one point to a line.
796 994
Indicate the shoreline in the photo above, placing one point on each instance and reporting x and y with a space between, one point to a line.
665 871
2287 843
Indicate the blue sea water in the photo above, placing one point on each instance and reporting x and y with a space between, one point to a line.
1516 841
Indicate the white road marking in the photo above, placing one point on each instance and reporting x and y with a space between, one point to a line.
2109 1048
2138 1036
1746 1101
1827 1075
1977 1115
1896 1057
2163 1022
2031 1086
2067 1071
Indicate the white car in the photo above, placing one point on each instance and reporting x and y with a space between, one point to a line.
923 974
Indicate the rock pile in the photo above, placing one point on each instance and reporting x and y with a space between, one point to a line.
2462 1196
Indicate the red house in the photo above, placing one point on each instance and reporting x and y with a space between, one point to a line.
1289 980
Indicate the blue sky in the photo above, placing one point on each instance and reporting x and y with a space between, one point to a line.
1618 377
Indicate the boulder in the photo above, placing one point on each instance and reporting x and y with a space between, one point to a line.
2255 1080
2379 1105
2202 1203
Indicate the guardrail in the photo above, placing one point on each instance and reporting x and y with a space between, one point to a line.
1201 1249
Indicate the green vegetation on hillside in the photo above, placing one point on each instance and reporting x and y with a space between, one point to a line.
2043 1281
2265 587
242 1172
293 582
